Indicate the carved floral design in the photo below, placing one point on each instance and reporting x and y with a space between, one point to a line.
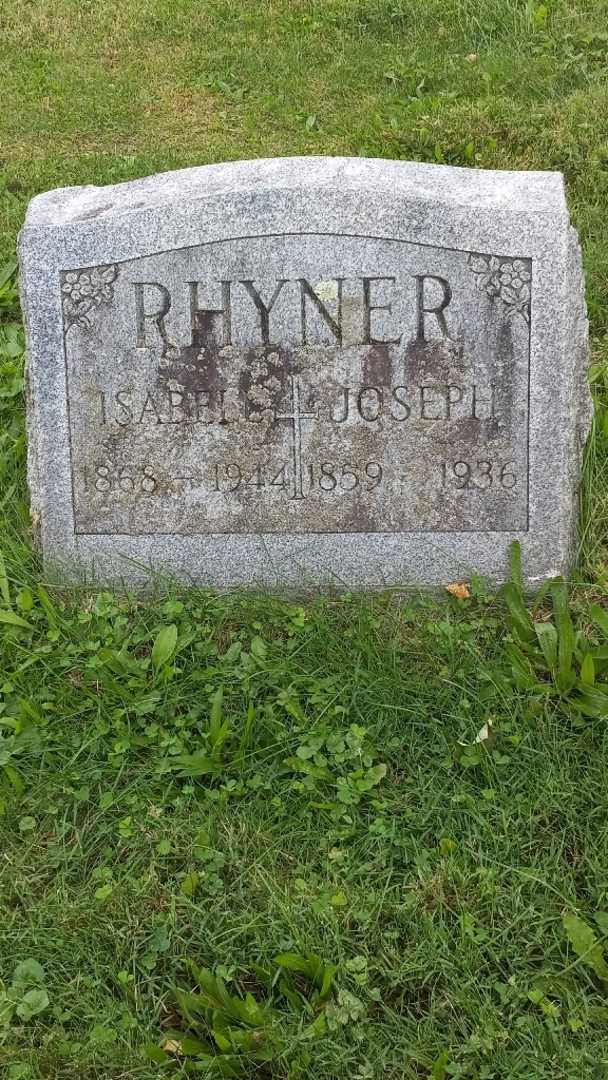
85 290
507 280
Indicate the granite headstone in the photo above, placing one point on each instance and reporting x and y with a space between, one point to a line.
305 373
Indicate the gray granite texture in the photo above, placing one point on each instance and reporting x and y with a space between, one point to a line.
305 373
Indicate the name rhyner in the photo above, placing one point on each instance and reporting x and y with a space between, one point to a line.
338 311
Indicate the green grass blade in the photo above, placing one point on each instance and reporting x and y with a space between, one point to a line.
164 646
565 635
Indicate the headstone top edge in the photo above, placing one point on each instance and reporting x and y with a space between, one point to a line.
516 191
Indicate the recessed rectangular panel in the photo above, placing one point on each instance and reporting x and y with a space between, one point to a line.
299 383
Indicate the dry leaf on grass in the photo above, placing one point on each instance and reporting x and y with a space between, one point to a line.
486 735
460 591
171 1046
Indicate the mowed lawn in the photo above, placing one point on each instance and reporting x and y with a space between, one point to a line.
368 834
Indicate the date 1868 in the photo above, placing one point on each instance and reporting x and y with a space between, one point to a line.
106 477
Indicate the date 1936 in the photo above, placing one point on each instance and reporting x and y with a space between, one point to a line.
480 475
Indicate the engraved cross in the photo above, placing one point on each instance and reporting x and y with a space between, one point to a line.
296 416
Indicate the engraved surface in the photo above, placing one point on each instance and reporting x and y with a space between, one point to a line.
352 385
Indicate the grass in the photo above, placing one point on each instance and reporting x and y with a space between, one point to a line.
334 801
438 892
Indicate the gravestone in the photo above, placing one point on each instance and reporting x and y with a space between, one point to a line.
307 372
